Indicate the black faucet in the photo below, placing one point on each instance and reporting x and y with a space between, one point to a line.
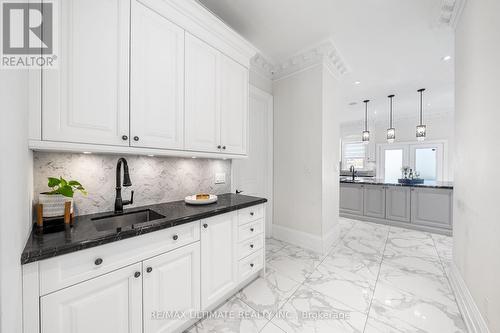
119 203
353 171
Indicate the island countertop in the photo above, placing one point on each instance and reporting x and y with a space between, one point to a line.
427 183
84 234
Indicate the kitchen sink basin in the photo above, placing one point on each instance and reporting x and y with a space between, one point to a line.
118 221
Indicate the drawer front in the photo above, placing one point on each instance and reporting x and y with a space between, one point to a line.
250 246
69 269
250 265
250 230
250 214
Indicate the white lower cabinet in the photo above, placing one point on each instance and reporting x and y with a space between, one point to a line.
219 258
109 303
171 288
169 275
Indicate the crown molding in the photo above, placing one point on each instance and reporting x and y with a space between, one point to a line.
323 53
262 66
450 11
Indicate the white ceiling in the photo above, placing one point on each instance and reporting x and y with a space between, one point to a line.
390 46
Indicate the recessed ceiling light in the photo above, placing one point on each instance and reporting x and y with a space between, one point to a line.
446 58
353 103
87 152
357 82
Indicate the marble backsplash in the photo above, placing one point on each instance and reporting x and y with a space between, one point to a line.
154 179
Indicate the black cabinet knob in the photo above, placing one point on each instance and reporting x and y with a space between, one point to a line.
251 229
137 274
98 261
251 213
219 147
149 269
251 265
224 147
136 138
175 237
124 137
205 225
251 246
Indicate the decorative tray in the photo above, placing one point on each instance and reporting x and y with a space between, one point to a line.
200 199
410 181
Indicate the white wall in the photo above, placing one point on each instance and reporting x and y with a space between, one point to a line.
15 193
477 155
306 136
257 79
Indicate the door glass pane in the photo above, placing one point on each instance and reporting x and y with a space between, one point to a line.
393 164
426 163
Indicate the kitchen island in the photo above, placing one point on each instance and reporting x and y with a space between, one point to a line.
426 207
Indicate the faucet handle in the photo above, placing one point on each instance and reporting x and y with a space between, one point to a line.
131 201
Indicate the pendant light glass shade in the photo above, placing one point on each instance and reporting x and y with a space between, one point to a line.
421 128
366 133
391 131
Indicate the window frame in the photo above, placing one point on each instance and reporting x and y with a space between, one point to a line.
342 156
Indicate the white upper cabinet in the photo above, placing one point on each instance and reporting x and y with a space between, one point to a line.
156 79
171 283
86 100
202 111
234 106
109 303
216 100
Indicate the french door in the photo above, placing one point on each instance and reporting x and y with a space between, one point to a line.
426 158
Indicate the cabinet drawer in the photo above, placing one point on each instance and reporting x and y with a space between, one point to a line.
250 214
248 247
249 230
66 270
250 265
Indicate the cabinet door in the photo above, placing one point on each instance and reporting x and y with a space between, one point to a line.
109 303
397 206
432 207
171 284
234 106
157 80
202 102
374 201
86 100
351 199
218 257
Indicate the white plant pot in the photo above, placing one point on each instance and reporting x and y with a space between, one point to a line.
53 204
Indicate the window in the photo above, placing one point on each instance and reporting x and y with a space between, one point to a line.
426 163
354 153
393 162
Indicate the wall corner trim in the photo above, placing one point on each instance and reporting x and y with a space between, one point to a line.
470 312
303 239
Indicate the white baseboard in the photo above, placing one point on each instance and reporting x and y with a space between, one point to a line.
473 319
303 239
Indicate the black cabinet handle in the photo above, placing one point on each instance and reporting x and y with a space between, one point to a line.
149 269
175 237
98 261
124 137
137 274
251 229
136 138
251 246
251 265
205 225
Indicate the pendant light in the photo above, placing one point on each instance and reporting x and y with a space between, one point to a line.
366 133
421 128
391 131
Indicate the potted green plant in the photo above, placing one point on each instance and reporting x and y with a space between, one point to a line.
62 191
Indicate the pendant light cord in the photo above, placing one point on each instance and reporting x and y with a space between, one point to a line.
366 114
421 91
390 114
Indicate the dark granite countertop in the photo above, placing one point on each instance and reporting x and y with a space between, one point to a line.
84 235
427 183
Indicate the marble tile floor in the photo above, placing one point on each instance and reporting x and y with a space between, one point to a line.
375 279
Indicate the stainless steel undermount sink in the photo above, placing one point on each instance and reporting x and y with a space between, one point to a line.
118 221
